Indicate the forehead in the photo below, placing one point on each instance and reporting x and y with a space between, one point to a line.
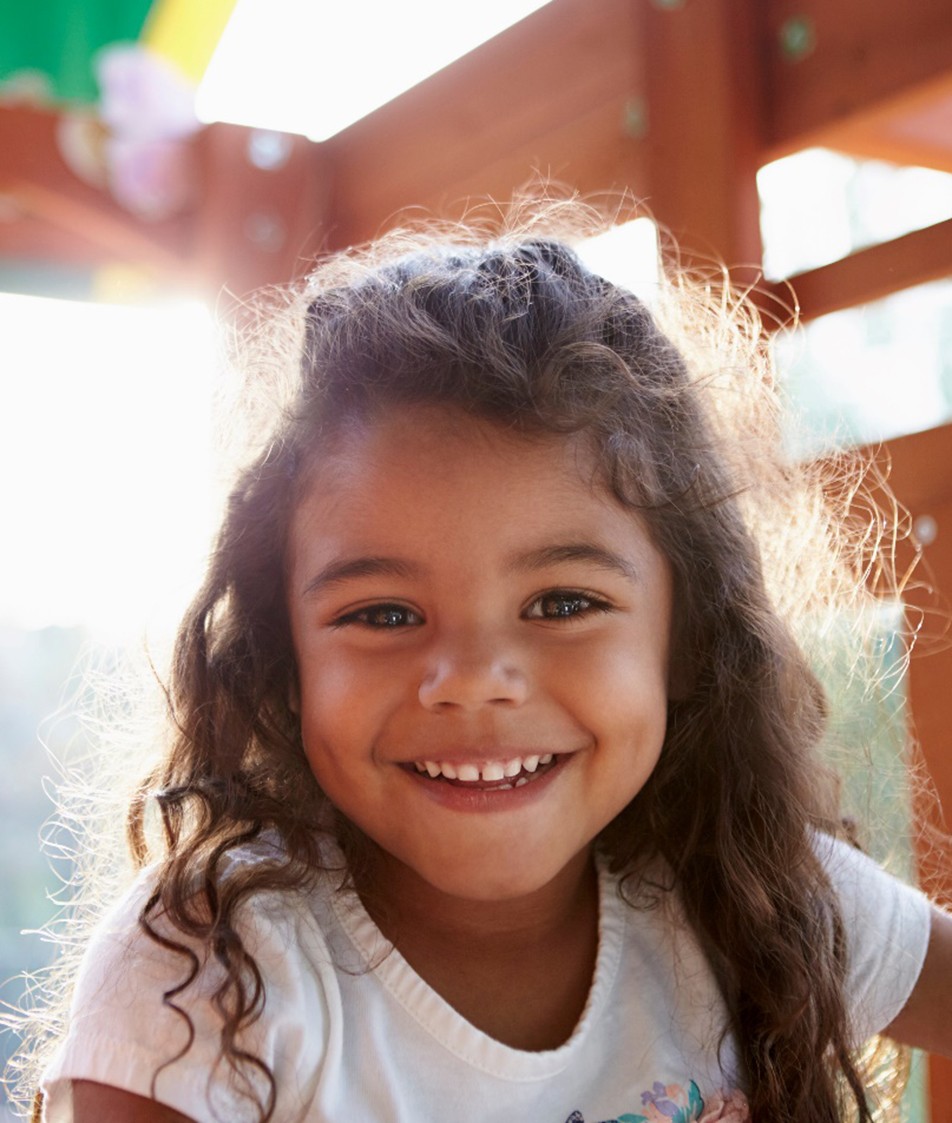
440 425
425 477
442 451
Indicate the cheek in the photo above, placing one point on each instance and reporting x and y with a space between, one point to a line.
629 675
627 710
329 689
342 712
327 721
332 762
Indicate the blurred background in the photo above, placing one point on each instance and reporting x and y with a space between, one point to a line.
160 159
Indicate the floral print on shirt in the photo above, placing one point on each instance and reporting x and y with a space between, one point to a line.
670 1103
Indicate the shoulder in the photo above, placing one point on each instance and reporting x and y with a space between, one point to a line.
865 890
280 929
148 1007
143 946
886 925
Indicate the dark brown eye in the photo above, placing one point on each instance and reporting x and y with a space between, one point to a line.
564 605
382 616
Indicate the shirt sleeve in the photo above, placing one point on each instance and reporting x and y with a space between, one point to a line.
124 1033
887 933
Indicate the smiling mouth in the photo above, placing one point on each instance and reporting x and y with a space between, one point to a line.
495 775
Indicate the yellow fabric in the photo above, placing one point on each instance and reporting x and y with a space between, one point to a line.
186 32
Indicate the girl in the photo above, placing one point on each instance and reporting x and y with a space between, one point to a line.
495 789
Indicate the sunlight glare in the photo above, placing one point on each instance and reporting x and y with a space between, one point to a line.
105 453
303 67
627 255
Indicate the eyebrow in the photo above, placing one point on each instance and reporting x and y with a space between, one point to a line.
575 552
351 568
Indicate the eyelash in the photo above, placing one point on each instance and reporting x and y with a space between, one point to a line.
389 609
388 616
585 604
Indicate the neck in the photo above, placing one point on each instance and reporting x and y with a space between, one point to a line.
402 903
518 969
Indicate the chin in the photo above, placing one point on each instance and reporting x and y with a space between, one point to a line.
481 882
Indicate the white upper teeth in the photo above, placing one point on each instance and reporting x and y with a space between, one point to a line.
490 772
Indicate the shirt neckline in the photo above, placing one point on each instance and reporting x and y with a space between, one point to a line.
450 1029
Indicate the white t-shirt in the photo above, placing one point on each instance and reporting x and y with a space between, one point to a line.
351 1032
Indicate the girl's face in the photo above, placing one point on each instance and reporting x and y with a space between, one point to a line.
482 640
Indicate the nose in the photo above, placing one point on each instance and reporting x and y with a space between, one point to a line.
468 673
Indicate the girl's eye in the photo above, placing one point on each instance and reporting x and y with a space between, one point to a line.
562 605
383 616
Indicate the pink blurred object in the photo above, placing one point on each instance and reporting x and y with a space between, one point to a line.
143 95
135 144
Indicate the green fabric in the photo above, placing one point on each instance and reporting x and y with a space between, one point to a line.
60 38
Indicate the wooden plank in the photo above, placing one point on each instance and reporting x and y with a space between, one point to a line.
703 80
520 103
827 62
912 129
921 477
28 238
867 275
263 214
892 145
249 226
590 155
920 473
96 232
80 222
940 1090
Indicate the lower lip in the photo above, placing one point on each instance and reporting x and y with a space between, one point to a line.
458 798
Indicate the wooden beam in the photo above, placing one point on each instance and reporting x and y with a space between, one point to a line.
673 100
102 233
258 217
80 222
27 237
829 62
557 95
912 129
921 477
867 275
262 217
703 81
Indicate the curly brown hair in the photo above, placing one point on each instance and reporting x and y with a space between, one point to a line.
517 331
